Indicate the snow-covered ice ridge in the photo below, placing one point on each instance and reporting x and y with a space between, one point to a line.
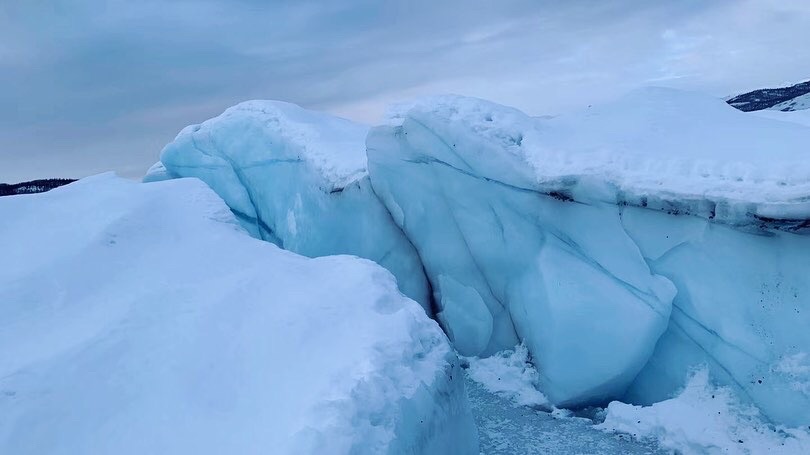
624 244
298 179
659 148
141 318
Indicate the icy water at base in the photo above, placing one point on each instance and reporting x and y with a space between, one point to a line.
504 429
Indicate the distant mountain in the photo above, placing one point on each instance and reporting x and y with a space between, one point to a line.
34 186
793 98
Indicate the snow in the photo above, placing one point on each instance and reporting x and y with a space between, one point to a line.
509 374
298 179
623 245
706 419
655 146
140 318
799 103
801 117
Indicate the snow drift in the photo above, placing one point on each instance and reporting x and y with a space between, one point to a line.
706 419
140 318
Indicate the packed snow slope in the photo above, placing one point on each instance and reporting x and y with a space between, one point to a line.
141 318
624 244
298 179
801 117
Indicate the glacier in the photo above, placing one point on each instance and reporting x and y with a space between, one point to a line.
142 318
494 244
624 245
298 179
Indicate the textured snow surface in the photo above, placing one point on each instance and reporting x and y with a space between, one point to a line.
656 147
706 419
298 179
509 374
140 318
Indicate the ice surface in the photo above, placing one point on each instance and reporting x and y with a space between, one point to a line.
140 318
706 419
742 308
158 173
298 179
492 239
573 234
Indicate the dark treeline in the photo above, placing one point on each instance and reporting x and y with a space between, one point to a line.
34 186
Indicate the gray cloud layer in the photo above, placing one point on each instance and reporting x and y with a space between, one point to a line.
94 85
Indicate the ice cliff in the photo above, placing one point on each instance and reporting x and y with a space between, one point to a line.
298 179
624 244
141 318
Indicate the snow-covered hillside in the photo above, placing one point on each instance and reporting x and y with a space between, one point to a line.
141 318
792 98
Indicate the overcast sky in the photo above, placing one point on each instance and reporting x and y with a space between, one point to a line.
93 85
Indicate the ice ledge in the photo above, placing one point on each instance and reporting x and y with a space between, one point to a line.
674 151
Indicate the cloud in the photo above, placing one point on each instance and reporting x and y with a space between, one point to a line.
92 85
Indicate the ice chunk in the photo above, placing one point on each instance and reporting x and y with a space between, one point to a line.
298 179
140 318
490 237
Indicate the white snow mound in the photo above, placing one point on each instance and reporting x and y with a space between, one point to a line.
140 318
706 419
